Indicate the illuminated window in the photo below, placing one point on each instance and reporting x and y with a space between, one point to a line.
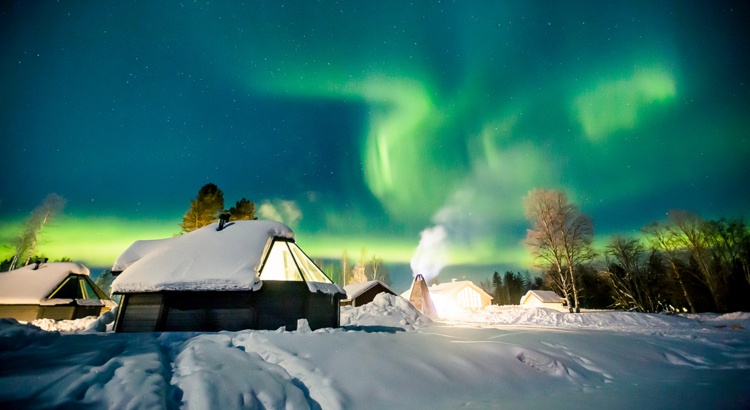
309 270
469 298
280 264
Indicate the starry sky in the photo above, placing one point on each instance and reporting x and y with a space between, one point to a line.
363 124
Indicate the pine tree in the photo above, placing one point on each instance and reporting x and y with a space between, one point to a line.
204 209
243 210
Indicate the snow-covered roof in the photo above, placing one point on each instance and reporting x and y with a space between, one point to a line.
455 286
205 259
29 286
356 289
545 296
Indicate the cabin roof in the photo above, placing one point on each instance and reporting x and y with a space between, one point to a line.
28 285
356 289
204 259
450 288
545 296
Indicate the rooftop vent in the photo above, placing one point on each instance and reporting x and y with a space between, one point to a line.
223 218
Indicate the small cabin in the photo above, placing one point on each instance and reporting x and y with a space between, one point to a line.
55 290
543 298
240 275
357 294
457 295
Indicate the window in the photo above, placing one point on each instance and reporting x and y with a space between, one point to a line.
309 270
280 264
70 289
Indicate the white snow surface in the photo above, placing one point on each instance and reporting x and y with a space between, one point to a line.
29 286
537 359
387 311
205 259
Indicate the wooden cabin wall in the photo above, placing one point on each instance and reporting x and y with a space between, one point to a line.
277 304
26 313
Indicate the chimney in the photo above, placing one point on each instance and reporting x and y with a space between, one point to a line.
223 218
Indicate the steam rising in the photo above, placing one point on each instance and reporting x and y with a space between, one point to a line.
431 254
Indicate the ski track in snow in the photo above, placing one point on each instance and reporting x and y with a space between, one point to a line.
320 388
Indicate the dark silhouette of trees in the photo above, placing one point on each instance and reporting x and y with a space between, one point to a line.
204 209
243 210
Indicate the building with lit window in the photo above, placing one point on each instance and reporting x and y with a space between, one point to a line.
55 290
242 275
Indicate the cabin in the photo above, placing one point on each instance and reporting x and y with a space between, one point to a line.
459 295
543 298
358 294
239 275
55 290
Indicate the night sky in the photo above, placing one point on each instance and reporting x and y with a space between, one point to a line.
362 124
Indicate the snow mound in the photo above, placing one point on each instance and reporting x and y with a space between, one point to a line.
606 320
15 335
387 311
75 325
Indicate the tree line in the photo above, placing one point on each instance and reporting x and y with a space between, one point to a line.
686 262
365 268
509 288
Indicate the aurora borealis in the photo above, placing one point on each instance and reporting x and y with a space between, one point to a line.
362 123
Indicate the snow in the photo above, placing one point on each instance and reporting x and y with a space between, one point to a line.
329 288
29 286
385 311
356 289
205 259
388 355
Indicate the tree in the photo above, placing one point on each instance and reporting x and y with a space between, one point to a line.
662 238
358 272
486 286
627 270
498 293
204 209
577 234
26 244
729 241
378 271
691 232
346 270
243 210
559 239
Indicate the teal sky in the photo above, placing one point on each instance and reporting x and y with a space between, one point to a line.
362 124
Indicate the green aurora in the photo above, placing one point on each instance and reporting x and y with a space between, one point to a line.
377 121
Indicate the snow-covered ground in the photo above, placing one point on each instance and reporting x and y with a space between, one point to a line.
388 356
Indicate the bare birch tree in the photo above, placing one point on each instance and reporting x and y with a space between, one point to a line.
359 271
690 231
661 237
627 271
345 268
576 235
543 239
